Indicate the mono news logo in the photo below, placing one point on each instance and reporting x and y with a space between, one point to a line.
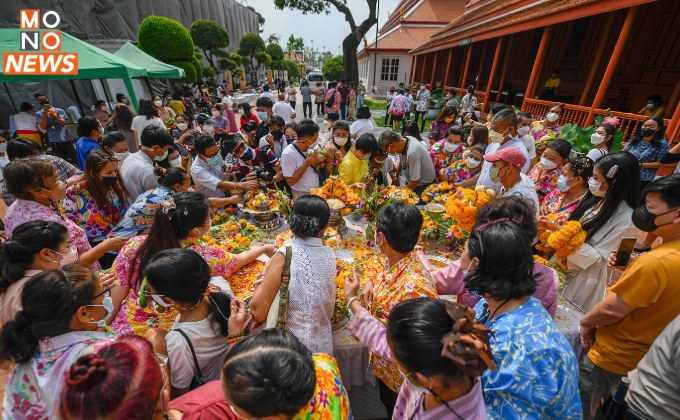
40 47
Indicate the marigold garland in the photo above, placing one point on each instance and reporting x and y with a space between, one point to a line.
462 207
566 240
336 188
438 193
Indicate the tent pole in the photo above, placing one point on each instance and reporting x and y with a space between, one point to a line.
106 94
148 84
75 92
10 97
131 93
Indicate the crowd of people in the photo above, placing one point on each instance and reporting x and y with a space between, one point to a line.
107 229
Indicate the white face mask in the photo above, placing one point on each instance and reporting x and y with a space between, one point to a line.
450 147
177 162
495 136
596 139
340 141
107 304
182 126
523 131
594 187
3 147
159 301
158 103
69 257
547 164
208 128
327 123
120 157
473 163
552 116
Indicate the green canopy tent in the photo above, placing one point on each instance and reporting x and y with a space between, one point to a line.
155 69
93 63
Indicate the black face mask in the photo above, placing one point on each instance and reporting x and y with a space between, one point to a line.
645 220
646 132
109 181
277 135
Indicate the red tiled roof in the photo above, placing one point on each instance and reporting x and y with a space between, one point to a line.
405 38
429 11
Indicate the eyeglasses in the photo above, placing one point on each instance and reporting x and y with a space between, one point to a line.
106 293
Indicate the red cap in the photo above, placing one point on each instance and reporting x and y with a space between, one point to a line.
511 155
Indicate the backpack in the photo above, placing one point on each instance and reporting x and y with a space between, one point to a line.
331 101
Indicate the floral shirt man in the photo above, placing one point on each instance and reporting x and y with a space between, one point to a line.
545 181
423 100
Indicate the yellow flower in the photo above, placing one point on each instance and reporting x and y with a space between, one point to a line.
243 222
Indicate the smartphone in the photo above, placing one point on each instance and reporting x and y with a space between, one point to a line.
624 251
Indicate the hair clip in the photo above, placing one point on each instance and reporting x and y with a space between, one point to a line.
493 222
185 212
611 173
167 205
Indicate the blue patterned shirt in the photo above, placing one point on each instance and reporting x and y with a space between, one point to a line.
537 373
646 152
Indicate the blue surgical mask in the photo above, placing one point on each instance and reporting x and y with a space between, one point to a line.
650 106
562 183
214 161
263 116
161 158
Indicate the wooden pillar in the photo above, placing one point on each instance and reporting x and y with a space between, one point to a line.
508 51
494 65
434 69
467 67
414 61
537 62
481 66
673 128
609 24
422 69
448 67
613 62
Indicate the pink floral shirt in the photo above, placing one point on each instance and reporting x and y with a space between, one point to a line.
458 171
131 318
336 103
544 181
556 205
443 158
22 211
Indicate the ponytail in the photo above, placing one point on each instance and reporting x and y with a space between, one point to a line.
220 308
18 253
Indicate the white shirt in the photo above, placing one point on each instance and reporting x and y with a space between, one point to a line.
311 296
210 347
361 127
25 122
291 161
278 146
140 122
493 148
528 142
207 177
284 111
268 95
137 173
524 188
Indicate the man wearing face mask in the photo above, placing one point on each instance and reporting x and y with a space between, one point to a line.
422 104
209 171
523 132
206 125
619 330
137 169
297 164
274 139
503 135
89 130
414 157
248 158
505 170
263 109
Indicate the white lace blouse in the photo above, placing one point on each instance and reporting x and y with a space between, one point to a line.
311 297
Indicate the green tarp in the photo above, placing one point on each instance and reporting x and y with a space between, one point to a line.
93 62
155 69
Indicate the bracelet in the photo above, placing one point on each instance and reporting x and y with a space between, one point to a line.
235 338
351 300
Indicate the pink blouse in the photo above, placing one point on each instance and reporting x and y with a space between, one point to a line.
22 211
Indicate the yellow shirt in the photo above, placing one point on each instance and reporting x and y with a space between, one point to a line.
352 169
652 113
651 286
177 106
553 83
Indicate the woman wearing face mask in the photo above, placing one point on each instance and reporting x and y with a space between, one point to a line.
165 113
469 101
179 222
101 113
35 246
605 214
63 317
572 187
339 145
38 189
548 170
97 203
172 160
537 371
445 120
548 126
478 135
440 350
148 115
447 151
121 121
197 342
247 115
649 146
603 140
329 120
183 134
465 172
116 145
205 125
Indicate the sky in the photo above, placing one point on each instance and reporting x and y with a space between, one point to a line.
321 32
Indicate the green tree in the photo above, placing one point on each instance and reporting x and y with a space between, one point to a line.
357 31
293 69
170 42
295 44
260 18
210 37
275 51
254 54
273 39
334 69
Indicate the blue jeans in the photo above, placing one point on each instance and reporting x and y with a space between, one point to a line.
360 100
343 111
